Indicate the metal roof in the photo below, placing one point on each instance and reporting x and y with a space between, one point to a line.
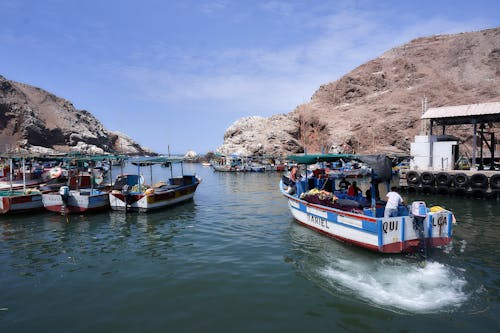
464 114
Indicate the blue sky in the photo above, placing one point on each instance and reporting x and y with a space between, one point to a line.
178 73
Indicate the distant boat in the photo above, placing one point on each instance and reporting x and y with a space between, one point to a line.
256 167
206 164
131 194
230 168
315 203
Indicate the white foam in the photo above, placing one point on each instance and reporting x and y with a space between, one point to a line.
399 284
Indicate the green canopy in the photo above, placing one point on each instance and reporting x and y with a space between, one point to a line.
156 160
315 158
381 164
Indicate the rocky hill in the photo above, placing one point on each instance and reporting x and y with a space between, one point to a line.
377 106
36 121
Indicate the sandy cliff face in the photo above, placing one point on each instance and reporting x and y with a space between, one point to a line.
33 119
377 106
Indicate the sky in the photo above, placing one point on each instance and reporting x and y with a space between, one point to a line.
177 74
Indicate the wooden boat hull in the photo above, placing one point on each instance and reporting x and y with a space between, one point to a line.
386 235
143 202
20 203
77 202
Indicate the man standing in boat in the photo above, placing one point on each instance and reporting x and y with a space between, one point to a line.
393 201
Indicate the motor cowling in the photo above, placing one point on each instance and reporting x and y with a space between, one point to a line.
64 191
418 209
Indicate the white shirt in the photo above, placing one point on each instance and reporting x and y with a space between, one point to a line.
393 200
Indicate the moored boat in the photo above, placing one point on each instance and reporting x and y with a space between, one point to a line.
21 198
131 194
360 220
83 192
23 201
71 199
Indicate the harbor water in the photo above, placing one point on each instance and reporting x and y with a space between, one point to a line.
234 260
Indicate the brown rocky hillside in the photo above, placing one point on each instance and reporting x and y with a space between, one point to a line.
34 120
377 106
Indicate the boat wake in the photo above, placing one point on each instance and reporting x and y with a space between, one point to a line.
397 284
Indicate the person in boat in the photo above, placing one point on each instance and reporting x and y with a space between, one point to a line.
293 173
353 190
291 180
393 201
344 184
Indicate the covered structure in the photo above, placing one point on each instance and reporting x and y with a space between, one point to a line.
482 114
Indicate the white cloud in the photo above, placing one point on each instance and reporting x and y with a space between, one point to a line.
277 80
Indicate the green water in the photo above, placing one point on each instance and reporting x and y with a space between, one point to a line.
233 260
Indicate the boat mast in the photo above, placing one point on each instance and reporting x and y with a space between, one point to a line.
151 173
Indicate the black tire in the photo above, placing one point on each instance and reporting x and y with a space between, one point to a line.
495 182
412 178
479 181
427 178
460 180
443 179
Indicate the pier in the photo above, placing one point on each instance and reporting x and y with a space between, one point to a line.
437 166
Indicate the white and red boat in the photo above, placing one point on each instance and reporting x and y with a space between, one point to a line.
316 204
68 201
78 197
24 201
131 194
16 196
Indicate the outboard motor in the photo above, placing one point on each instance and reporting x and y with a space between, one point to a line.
64 193
419 212
126 195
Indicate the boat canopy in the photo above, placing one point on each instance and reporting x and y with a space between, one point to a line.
315 158
163 160
381 164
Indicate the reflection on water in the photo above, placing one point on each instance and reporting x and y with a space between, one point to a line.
47 242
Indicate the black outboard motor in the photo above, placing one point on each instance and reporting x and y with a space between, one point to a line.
419 212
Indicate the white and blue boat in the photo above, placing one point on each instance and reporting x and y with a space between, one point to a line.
131 194
315 203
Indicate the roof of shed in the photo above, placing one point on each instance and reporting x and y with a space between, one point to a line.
464 114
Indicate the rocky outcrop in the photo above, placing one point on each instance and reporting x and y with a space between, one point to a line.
39 122
377 106
255 135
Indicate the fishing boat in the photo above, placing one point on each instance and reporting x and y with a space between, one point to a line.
20 198
130 193
230 163
317 204
79 200
20 178
23 201
84 191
